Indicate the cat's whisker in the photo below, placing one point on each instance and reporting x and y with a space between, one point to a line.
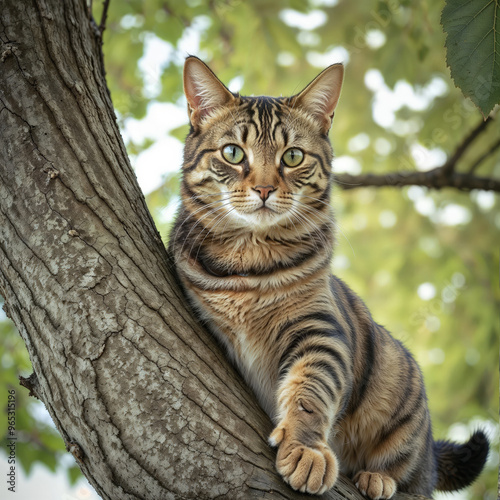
293 211
334 222
295 214
222 233
318 214
314 229
198 196
320 217
208 214
195 212
217 222
311 198
211 212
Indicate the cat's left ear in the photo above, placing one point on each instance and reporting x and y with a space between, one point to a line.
204 91
320 97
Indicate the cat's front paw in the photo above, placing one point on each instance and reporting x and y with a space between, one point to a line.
307 469
375 485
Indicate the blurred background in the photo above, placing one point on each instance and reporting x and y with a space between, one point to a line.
425 261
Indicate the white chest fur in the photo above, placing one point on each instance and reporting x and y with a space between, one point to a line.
241 326
252 365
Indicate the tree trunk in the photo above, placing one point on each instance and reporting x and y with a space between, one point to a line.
140 393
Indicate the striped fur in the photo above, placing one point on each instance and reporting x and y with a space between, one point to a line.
252 245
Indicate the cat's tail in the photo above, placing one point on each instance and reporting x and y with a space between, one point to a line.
458 465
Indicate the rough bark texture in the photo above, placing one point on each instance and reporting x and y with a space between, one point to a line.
140 393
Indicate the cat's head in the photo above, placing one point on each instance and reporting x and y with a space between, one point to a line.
258 162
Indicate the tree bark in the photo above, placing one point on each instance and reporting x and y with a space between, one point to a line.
141 394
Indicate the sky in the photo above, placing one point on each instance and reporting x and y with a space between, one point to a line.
42 484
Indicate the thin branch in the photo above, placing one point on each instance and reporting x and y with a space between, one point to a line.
480 160
431 179
450 164
102 25
437 178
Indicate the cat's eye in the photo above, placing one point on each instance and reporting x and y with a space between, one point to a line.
293 157
233 154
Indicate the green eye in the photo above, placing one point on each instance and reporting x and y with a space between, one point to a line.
293 157
233 154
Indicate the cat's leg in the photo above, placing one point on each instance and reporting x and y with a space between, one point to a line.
304 458
393 429
405 462
313 383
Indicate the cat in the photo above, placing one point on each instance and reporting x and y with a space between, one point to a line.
252 245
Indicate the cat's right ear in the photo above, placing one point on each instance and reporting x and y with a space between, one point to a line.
204 91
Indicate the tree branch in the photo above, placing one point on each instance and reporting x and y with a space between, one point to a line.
437 178
102 24
483 157
451 163
432 179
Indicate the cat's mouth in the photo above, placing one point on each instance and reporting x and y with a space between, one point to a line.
265 214
262 216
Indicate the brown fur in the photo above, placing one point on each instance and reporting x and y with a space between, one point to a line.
252 245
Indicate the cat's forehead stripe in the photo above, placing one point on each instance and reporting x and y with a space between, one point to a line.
265 114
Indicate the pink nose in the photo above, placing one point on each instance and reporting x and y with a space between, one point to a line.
264 191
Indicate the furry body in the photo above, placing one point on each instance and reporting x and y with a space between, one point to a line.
253 242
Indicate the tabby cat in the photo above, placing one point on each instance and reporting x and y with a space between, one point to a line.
252 245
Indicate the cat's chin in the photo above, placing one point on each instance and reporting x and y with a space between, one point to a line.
262 218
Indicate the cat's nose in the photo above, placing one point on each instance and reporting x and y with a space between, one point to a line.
264 191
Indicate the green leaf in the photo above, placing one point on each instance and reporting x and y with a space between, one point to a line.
134 148
74 474
473 45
